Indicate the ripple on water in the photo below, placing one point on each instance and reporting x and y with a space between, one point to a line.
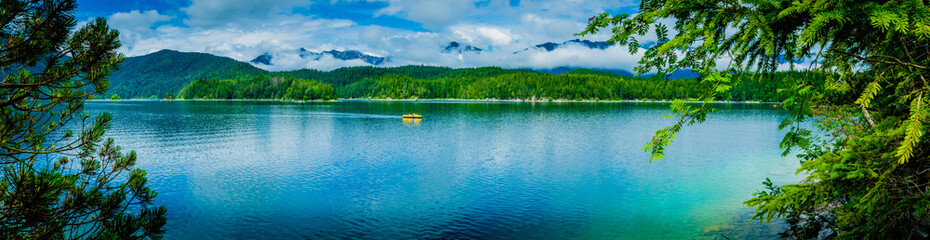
353 170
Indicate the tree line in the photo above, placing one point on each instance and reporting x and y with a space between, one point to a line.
258 87
575 85
419 82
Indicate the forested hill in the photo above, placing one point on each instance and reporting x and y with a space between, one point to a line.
168 71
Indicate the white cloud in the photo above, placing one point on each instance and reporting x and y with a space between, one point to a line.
483 35
211 13
135 25
804 64
431 13
245 30
239 43
137 22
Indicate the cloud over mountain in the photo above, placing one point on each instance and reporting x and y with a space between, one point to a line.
488 32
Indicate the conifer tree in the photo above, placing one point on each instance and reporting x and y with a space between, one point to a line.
59 177
868 172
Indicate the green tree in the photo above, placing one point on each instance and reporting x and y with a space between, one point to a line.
285 88
60 178
115 97
866 88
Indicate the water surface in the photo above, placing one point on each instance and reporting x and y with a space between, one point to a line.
354 169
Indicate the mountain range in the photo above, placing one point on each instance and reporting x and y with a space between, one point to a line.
551 46
455 47
266 58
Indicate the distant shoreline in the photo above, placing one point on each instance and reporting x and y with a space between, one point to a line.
442 100
537 100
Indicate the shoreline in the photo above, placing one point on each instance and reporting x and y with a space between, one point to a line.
451 100
539 100
209 100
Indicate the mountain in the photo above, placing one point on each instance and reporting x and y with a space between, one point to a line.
266 58
551 46
302 52
353 54
263 59
455 47
167 71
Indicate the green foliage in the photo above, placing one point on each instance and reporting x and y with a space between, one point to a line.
419 82
169 71
115 97
345 76
914 129
59 177
866 95
260 87
493 83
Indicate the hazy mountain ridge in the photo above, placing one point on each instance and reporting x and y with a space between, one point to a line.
455 47
551 46
267 57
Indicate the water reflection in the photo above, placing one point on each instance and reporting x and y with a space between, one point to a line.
412 121
478 170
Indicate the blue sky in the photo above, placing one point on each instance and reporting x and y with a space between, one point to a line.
408 31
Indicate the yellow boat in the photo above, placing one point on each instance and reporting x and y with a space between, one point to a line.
413 115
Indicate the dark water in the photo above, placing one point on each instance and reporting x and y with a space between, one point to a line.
249 170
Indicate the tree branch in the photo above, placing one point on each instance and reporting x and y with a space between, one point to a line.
868 117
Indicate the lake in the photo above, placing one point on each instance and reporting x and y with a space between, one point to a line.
355 169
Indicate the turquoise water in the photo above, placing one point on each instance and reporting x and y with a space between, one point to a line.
355 169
